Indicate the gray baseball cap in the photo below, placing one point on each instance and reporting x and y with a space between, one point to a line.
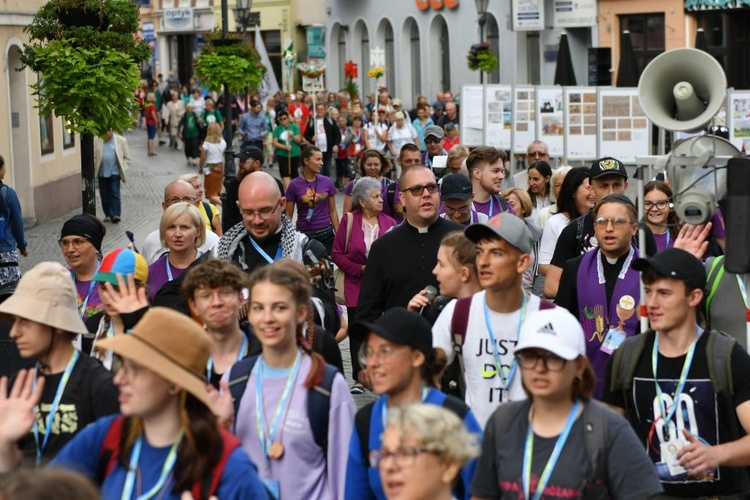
506 226
435 131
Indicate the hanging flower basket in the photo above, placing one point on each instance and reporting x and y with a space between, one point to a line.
481 58
230 61
376 72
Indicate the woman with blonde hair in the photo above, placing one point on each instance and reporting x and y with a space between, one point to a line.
520 201
425 448
456 159
212 162
208 210
152 120
182 231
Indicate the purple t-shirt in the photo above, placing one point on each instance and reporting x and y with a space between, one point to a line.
492 207
94 304
663 241
386 207
158 276
324 476
315 195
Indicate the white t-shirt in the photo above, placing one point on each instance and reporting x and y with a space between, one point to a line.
215 151
400 136
552 231
152 249
483 395
320 135
372 135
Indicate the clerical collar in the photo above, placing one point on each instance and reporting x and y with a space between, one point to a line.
422 230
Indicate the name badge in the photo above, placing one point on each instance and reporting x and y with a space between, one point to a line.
612 341
310 213
669 451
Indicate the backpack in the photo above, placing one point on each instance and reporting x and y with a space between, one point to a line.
3 193
391 195
362 428
209 213
318 397
595 419
715 274
110 453
459 324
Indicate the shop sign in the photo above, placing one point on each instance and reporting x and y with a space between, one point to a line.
177 19
528 15
715 4
425 5
574 14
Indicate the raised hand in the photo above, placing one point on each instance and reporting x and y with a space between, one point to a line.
418 301
221 404
17 414
693 239
127 298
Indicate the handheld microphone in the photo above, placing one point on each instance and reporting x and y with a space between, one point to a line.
430 292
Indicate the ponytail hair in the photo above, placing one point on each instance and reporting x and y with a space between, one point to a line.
432 369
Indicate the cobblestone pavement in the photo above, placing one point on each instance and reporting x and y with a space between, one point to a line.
141 197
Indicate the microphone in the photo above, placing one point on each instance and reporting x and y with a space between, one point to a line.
430 292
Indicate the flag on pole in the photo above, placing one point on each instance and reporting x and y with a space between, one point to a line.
269 86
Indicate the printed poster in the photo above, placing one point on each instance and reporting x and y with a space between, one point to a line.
624 131
472 115
499 101
549 124
524 118
580 123
739 119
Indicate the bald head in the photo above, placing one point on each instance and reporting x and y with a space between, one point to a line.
177 191
260 204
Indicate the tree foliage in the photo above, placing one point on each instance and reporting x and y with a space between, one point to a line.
233 62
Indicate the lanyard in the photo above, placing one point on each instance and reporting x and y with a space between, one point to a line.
240 355
666 417
53 409
384 412
743 289
166 469
311 201
260 418
92 285
169 268
528 453
263 252
667 245
492 203
521 315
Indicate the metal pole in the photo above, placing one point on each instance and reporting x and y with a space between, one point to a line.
481 39
88 174
245 20
229 167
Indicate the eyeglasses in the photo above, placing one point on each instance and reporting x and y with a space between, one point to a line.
76 243
617 222
461 210
403 457
184 199
224 294
418 190
537 154
661 204
383 355
551 362
431 140
263 213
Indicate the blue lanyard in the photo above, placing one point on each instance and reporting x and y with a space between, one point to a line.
240 355
260 418
166 470
384 410
169 269
667 417
743 289
53 409
92 285
667 244
492 203
514 366
264 254
528 453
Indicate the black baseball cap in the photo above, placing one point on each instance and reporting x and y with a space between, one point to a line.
399 326
455 187
618 197
675 263
607 166
249 152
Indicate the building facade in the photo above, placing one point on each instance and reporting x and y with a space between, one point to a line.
43 161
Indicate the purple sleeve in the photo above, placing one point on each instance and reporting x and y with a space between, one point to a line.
332 191
291 191
349 188
718 230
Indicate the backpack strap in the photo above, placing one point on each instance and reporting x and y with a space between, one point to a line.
362 427
455 405
110 451
319 407
207 489
625 360
349 223
579 235
715 274
391 195
239 374
459 324
719 356
209 213
546 304
596 438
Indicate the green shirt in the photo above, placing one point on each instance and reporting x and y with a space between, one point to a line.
191 126
294 130
210 117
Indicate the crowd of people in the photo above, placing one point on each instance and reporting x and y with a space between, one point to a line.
497 320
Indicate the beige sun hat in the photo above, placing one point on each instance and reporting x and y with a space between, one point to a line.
46 294
169 344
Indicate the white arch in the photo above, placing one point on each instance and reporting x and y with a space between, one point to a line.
410 63
335 72
386 40
492 22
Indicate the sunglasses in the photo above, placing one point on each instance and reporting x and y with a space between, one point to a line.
418 190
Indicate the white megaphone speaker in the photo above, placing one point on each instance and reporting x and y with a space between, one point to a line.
682 89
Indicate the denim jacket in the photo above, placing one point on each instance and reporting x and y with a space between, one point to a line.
11 210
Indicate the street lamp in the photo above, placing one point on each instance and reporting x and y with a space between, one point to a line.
242 17
482 13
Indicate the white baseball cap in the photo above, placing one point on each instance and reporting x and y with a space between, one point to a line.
554 330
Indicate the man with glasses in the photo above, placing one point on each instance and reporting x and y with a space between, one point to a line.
456 194
433 138
536 151
214 292
400 262
265 234
178 191
600 288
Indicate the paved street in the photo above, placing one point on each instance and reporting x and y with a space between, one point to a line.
142 195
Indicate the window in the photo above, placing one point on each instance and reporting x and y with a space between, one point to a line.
647 35
493 39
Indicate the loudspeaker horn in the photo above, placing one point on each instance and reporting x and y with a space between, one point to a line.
682 89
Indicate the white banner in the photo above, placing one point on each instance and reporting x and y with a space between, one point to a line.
574 14
528 15
270 85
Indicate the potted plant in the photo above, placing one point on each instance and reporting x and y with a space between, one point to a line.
481 58
87 55
232 62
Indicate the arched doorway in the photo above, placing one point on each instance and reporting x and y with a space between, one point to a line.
336 58
493 38
361 46
440 64
19 160
410 73
386 42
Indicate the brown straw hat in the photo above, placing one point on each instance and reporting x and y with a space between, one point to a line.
46 294
171 345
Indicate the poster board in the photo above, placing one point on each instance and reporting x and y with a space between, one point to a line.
624 132
472 132
581 111
739 118
498 101
550 126
524 118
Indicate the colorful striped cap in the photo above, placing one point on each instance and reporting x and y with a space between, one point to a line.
122 261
